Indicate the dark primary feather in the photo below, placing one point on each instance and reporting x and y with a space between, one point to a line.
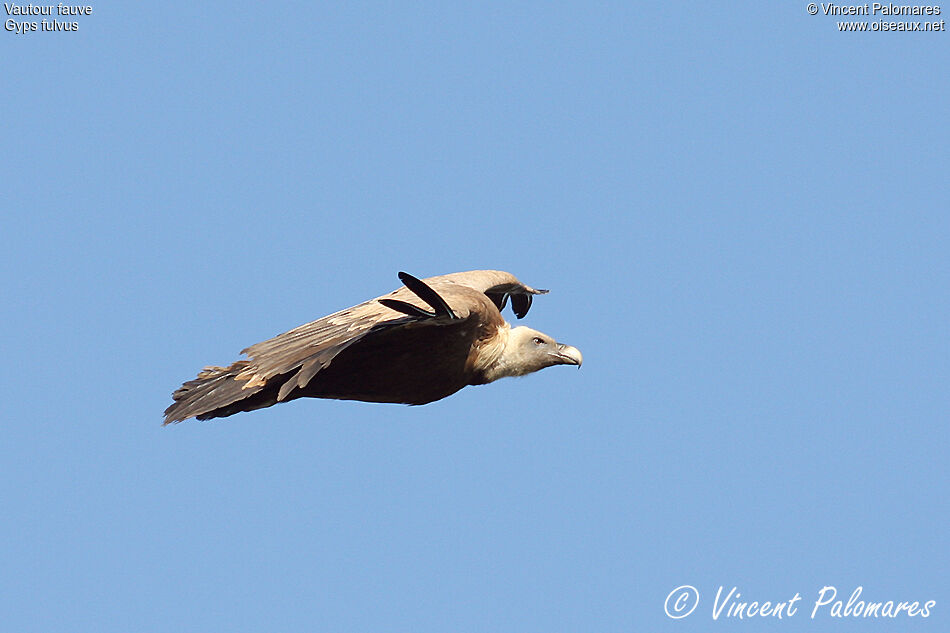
407 308
427 294
521 304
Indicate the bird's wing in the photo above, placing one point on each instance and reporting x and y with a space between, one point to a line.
307 349
498 285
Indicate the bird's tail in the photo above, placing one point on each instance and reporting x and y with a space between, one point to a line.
217 393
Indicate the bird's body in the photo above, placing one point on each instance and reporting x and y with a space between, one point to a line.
418 344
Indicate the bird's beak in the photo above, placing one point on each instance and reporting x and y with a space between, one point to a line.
568 355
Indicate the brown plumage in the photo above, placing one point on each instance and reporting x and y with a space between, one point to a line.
418 344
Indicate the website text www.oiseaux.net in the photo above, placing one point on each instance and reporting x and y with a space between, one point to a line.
885 14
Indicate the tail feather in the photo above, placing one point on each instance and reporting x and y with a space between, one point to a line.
217 392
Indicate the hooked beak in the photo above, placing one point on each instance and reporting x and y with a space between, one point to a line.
568 355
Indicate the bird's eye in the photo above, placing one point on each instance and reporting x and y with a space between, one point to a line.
538 340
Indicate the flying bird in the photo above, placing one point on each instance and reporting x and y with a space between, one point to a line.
420 343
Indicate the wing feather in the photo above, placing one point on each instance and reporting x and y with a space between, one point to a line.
313 346
498 286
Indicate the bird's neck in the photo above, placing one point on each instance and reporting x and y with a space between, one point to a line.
499 358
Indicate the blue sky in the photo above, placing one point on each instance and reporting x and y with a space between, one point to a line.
741 212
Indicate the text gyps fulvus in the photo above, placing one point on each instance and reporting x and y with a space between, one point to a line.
418 344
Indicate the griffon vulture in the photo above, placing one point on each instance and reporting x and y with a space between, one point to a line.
418 344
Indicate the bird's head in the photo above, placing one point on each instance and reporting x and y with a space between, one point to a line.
528 351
